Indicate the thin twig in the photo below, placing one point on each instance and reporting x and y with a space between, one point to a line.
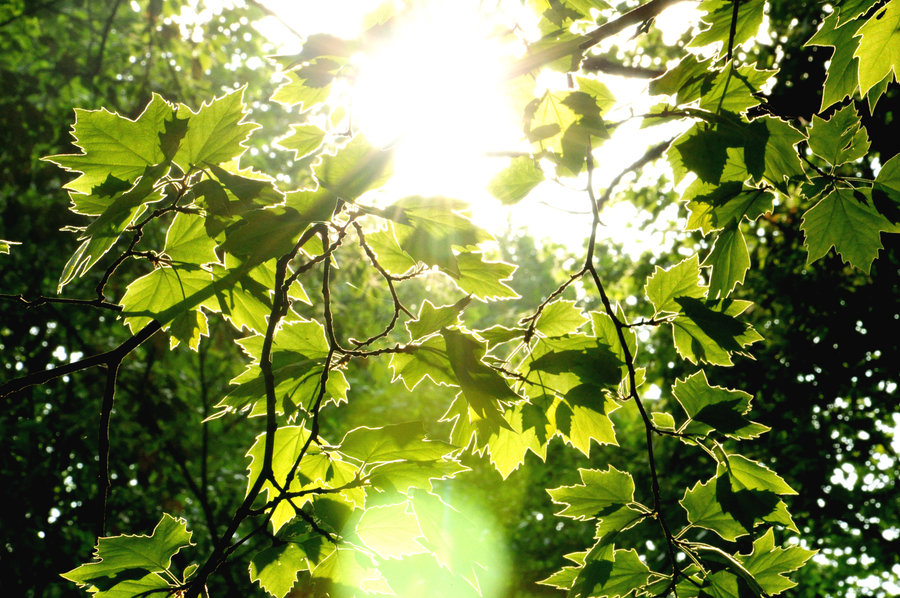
114 356
629 363
109 394
42 300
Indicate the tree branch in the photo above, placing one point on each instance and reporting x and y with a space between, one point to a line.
580 44
599 63
114 356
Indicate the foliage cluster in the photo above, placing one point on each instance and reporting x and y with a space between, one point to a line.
190 241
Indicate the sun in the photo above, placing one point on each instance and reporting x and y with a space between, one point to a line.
434 91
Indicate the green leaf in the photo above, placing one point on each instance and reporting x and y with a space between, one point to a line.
770 145
610 573
298 360
348 572
879 48
583 416
100 236
598 491
600 94
428 229
767 146
559 318
5 245
303 140
431 319
456 541
429 359
715 505
517 180
843 69
527 431
839 139
847 10
749 204
299 90
276 568
680 280
390 531
484 280
484 389
265 234
718 16
709 331
387 249
715 408
729 260
245 302
563 364
187 241
113 145
163 294
546 118
886 191
215 133
704 510
393 442
122 560
769 564
733 89
751 475
318 469
688 80
714 207
355 168
845 220
401 476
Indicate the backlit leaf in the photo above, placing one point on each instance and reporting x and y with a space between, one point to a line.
215 133
715 408
839 139
709 331
303 140
598 491
750 475
843 70
390 531
769 563
393 442
559 318
729 260
846 220
879 48
680 280
128 559
517 180
114 145
276 568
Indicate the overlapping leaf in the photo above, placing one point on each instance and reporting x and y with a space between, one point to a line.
126 564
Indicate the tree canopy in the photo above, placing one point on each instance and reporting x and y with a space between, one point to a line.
256 369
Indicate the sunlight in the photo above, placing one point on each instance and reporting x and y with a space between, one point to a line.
434 92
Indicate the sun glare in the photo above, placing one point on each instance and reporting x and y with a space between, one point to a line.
434 92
